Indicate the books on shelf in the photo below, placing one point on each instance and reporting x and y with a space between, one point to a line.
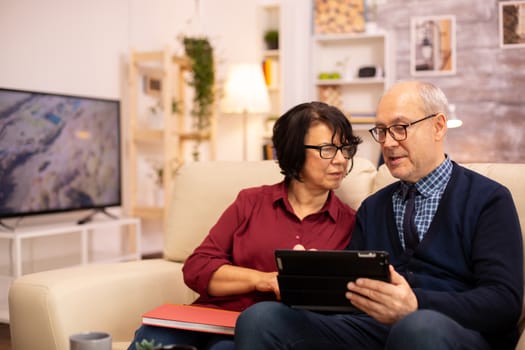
268 151
362 117
271 72
192 317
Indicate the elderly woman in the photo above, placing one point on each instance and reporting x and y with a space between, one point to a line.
234 267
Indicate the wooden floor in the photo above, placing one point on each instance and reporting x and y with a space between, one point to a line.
5 343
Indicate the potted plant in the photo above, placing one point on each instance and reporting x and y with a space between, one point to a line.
146 345
151 345
271 38
200 52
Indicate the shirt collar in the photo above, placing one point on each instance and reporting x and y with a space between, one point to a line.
433 182
280 195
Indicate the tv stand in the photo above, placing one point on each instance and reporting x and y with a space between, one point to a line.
95 211
128 228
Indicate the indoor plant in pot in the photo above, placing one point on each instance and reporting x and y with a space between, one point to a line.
271 38
151 345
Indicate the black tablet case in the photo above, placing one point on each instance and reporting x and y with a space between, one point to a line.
316 279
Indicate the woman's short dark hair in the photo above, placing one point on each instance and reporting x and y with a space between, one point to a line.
290 130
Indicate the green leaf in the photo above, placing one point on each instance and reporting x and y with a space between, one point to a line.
146 345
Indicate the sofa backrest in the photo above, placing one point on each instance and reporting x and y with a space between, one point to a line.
203 190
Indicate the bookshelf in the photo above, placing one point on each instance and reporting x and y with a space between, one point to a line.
270 20
336 61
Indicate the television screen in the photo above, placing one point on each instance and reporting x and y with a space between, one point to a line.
58 153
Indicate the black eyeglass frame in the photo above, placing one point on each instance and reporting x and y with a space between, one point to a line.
374 131
352 148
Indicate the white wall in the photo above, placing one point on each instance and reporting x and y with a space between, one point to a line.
63 46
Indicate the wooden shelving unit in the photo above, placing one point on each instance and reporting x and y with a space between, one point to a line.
346 54
270 19
159 78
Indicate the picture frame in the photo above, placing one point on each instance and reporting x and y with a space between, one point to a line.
433 45
152 86
512 24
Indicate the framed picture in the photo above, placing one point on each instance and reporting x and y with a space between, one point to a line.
512 24
433 45
152 86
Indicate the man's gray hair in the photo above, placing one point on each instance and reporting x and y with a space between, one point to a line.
433 98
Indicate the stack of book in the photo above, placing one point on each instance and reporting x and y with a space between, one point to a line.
192 317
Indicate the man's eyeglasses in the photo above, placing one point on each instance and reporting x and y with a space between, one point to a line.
329 151
397 131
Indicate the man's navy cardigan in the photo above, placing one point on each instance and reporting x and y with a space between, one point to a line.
469 264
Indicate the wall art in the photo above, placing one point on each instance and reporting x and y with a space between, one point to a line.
433 45
512 24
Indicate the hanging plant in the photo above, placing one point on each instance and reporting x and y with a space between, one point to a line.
200 53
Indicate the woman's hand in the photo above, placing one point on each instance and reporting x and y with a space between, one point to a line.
267 282
235 280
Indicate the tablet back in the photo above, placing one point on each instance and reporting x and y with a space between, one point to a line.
316 279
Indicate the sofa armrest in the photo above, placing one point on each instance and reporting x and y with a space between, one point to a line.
52 305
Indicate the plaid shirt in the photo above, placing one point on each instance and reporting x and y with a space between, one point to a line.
430 189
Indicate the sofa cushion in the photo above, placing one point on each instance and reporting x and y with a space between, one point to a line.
382 179
194 210
358 184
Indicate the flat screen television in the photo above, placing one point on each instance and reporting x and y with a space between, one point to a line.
58 153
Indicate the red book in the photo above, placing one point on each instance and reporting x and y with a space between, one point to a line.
192 317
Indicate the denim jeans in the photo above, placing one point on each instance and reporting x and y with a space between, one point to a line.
273 325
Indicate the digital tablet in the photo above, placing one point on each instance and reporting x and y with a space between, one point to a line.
316 279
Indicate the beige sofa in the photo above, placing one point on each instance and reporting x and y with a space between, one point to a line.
46 307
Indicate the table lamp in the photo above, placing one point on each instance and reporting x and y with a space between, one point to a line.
245 93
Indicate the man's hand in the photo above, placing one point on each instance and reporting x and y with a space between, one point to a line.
385 302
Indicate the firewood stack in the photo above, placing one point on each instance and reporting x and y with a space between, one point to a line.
339 16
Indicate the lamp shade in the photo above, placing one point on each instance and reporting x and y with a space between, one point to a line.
245 90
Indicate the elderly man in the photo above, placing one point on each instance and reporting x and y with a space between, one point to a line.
454 242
